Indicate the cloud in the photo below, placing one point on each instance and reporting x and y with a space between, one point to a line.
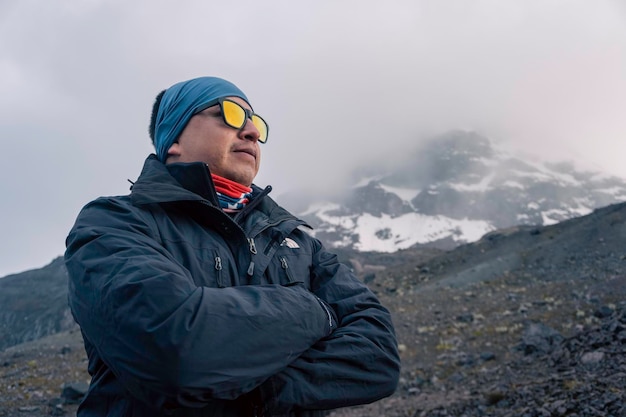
341 83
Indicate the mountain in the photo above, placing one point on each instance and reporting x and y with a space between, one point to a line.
34 304
453 190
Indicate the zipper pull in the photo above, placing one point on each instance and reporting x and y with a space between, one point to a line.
252 248
252 245
283 263
218 263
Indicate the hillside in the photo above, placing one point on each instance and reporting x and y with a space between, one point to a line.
510 324
34 304
527 321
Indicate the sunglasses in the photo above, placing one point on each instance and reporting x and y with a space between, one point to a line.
236 116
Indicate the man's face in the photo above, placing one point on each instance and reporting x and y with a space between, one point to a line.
230 153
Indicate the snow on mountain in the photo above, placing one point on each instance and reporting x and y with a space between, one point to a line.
405 194
453 190
387 233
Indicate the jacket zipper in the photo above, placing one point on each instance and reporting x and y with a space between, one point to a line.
285 266
252 247
218 272
251 244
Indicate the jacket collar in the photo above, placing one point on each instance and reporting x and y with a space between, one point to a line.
195 177
160 183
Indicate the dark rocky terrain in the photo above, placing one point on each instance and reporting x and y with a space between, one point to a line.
528 321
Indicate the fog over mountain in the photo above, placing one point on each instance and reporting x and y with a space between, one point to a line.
340 82
453 190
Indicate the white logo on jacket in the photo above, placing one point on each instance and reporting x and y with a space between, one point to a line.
290 243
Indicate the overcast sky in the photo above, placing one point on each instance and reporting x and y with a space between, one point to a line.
339 81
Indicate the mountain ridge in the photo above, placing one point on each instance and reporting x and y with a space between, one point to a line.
453 190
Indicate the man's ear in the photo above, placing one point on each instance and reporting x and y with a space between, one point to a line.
174 150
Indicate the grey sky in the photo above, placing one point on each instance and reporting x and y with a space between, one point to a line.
340 82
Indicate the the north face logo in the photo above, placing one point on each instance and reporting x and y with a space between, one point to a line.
290 243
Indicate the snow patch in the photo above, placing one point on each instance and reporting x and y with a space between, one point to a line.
405 194
389 234
366 181
614 191
533 206
319 208
481 186
553 216
513 184
545 174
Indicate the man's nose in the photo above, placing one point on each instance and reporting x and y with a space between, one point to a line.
249 131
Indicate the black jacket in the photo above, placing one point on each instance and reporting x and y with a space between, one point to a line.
188 311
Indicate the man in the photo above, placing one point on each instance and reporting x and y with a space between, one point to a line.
198 295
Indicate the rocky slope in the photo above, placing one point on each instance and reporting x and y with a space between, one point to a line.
34 304
528 321
525 322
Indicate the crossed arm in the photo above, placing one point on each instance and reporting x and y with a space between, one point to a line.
357 364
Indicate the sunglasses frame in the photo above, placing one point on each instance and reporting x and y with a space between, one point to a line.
248 113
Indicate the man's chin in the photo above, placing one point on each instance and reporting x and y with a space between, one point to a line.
243 179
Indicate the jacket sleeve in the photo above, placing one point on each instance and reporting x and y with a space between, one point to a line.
168 341
357 364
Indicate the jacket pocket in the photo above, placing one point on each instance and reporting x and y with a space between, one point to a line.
288 269
289 278
221 280
214 269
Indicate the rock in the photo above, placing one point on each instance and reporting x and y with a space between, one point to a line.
73 392
592 358
539 338
465 318
494 397
602 312
57 410
418 381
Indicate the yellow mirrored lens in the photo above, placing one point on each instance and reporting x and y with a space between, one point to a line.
234 114
261 127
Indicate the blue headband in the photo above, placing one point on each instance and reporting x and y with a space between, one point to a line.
181 101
